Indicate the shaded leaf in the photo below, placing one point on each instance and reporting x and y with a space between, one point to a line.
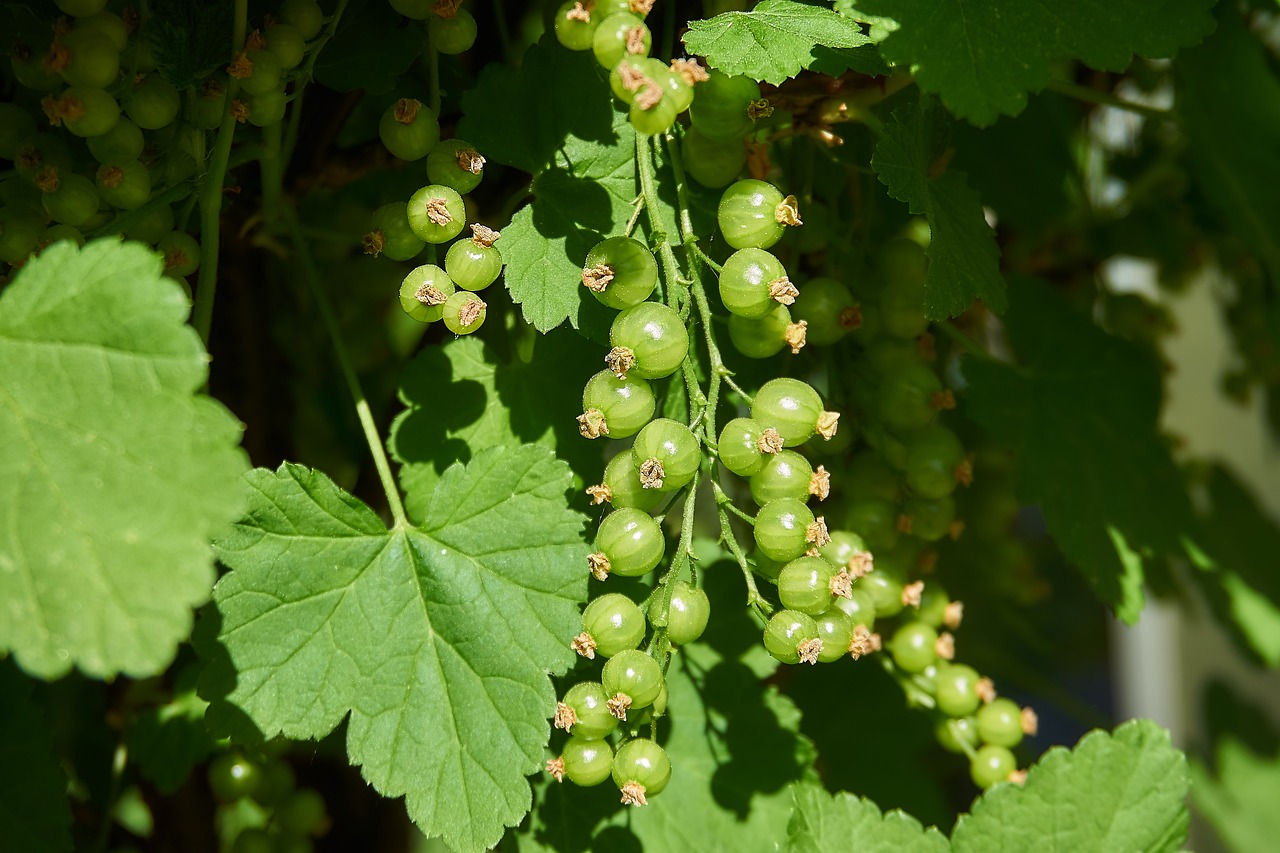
822 822
114 471
34 813
370 50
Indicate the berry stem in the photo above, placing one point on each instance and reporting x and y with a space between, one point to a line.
965 342
211 191
1106 99
312 275
271 167
730 541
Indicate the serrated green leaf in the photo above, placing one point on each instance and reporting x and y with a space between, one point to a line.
964 260
188 40
982 57
166 742
775 40
371 49
1229 99
1114 791
822 823
1080 411
462 396
1234 550
553 118
436 640
34 813
1240 802
114 472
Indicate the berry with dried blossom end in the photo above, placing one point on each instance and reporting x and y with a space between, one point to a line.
748 283
614 622
932 456
655 337
87 113
564 717
788 632
805 585
754 214
830 309
720 104
620 35
589 705
1000 722
991 764
474 264
409 129
181 253
946 646
666 454
782 529
555 767
789 406
796 335
641 769
453 34
930 520
635 676
739 446
436 213
783 291
690 70
620 272
592 424
688 615
835 631
913 646
786 474
956 689
764 337
632 542
622 479
810 650
587 762
911 594
599 494
903 398
575 24
621 406
464 312
584 645
456 163
841 584
759 108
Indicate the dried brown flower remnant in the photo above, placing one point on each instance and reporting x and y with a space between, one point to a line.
565 717
820 483
986 689
864 642
788 211
1029 721
953 615
591 424
470 160
635 41
585 645
446 8
781 290
620 360
945 646
850 317
652 474
555 766
759 108
828 423
795 335
809 650
633 794
649 96
841 584
911 594
770 441
861 564
599 494
405 110
599 565
691 70
817 532
618 705
943 399
597 278
429 294
483 236
640 7
438 211
471 312
581 12
241 66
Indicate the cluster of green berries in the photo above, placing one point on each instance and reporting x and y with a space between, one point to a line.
451 29
279 815
92 75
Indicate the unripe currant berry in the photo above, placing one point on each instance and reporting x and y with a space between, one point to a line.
615 407
641 769
753 283
649 340
687 618
835 630
631 679
754 214
666 455
613 623
620 272
587 762
784 529
584 712
630 542
792 637
622 487
794 409
436 213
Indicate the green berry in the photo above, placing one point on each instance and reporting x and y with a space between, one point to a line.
782 529
615 407
620 272
792 637
805 584
1000 722
650 338
634 675
957 690
641 769
589 718
631 542
464 312
436 213
666 455
587 762
913 646
687 618
615 624
991 764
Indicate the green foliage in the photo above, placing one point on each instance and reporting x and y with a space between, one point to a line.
435 639
117 472
1080 412
34 813
369 52
1131 783
982 58
778 39
964 261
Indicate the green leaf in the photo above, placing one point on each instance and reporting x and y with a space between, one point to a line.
166 742
553 118
1121 791
371 49
188 41
462 396
1234 550
1240 802
436 640
1080 411
34 813
982 57
964 262
822 822
114 472
775 40
1229 99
